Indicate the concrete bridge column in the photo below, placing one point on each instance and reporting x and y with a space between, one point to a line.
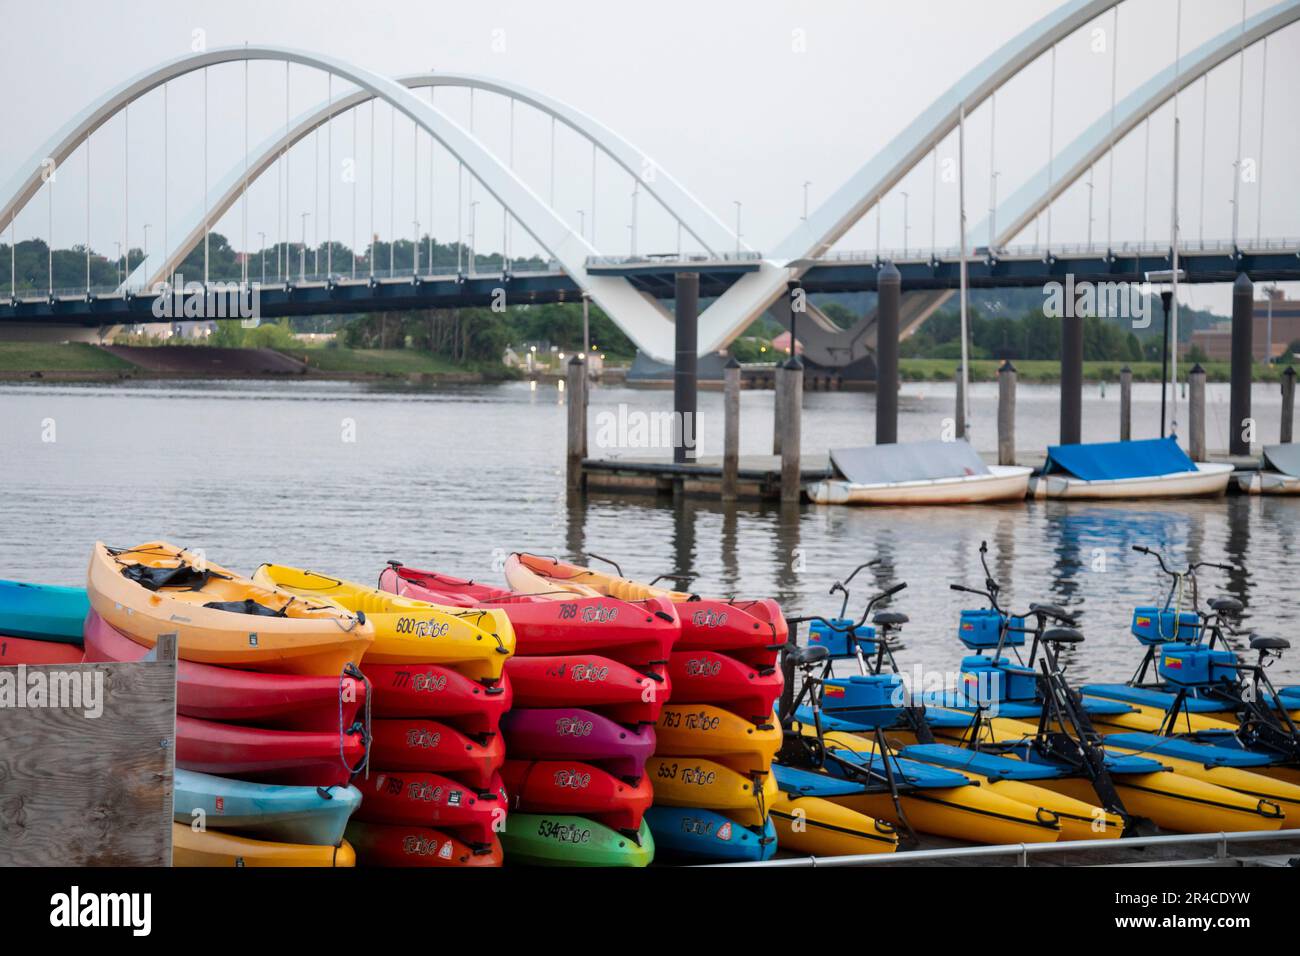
686 365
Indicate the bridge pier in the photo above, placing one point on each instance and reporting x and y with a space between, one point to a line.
731 429
1243 320
1071 377
686 366
889 287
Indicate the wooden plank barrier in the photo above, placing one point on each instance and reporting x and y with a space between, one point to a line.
88 782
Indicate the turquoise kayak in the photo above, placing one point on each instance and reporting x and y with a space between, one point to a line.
42 612
690 834
306 815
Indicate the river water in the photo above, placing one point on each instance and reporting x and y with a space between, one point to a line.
340 477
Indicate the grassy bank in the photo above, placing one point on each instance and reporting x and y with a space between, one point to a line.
1049 370
389 362
30 357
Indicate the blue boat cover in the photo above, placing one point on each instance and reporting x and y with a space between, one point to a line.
1150 697
809 783
907 772
986 765
1204 754
1103 461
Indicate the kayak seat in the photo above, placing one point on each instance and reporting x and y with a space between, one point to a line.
1226 605
890 618
1260 643
1063 635
811 654
1052 610
246 606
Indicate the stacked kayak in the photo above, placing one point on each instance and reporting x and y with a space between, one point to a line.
433 794
716 738
41 612
270 724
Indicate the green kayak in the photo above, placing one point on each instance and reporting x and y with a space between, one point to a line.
544 839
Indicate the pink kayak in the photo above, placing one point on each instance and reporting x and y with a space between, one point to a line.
572 733
231 695
632 632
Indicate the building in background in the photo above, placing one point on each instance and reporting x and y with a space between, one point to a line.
1277 326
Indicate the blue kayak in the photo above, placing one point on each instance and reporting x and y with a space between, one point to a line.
42 612
689 833
310 815
1205 754
1150 697
809 783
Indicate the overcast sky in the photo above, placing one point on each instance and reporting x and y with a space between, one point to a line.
740 101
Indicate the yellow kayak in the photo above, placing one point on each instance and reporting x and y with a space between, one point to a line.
1149 719
217 848
703 730
970 813
707 784
820 828
477 643
220 617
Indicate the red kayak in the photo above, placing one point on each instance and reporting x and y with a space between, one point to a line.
23 650
432 690
592 682
707 677
570 786
417 743
633 632
295 757
385 844
432 800
231 695
752 631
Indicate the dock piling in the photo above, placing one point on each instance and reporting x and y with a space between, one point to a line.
1126 404
1071 378
731 430
778 389
1007 413
792 409
888 285
1288 405
575 387
686 365
1243 319
1196 413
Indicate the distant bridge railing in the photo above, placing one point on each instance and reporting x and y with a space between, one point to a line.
1041 250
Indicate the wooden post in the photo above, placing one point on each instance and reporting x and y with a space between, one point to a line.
1071 379
576 389
961 405
1126 404
1007 414
1196 413
686 364
791 473
1288 405
888 285
1243 321
778 403
730 429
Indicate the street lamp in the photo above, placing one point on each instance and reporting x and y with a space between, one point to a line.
118 261
473 237
146 242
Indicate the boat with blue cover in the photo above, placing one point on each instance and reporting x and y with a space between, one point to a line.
303 815
42 612
1147 468
690 834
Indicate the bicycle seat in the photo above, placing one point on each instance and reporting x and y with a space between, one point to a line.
1063 635
1051 610
1226 605
1261 643
889 618
810 654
